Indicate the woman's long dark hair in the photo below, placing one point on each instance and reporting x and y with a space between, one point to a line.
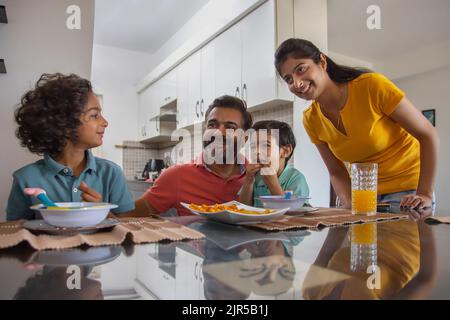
304 49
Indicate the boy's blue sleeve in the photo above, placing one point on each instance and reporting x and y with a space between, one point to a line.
120 194
19 204
297 183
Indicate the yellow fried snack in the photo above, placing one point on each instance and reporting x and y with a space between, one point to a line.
220 207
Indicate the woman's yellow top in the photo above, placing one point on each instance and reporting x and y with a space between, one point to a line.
371 135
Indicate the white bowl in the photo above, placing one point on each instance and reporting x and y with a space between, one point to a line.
277 202
84 214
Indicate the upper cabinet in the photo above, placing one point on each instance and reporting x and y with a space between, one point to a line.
195 86
228 62
167 88
237 62
259 83
244 57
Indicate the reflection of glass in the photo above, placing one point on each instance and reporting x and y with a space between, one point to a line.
364 188
363 247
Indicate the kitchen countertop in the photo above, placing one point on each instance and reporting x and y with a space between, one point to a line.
143 182
239 263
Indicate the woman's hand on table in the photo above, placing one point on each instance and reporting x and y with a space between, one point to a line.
419 214
418 201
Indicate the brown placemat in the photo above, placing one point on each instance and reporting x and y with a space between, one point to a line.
325 217
445 220
141 230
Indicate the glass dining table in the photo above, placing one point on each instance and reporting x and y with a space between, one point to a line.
407 259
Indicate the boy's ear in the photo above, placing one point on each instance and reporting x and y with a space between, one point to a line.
285 151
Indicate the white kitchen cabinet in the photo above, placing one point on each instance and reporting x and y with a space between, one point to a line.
244 57
142 118
189 277
183 101
195 86
259 80
238 62
151 276
151 100
207 78
146 111
167 88
228 62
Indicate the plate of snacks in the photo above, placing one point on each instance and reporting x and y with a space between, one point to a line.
234 212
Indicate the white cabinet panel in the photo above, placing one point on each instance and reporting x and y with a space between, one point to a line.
189 91
168 89
207 78
227 62
189 280
151 276
194 88
190 106
258 46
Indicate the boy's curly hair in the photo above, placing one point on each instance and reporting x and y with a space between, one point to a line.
49 114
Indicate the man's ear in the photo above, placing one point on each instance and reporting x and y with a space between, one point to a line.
323 61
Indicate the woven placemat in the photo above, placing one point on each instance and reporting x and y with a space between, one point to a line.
324 217
140 230
445 220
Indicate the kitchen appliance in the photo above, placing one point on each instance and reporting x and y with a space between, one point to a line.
153 168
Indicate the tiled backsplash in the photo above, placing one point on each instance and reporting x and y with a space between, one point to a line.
136 154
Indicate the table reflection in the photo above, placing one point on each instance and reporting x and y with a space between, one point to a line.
404 268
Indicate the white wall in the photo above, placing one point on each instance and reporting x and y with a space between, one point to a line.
115 73
430 90
420 60
35 41
310 18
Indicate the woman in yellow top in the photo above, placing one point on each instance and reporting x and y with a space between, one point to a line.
360 116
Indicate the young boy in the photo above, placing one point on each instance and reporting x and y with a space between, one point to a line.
61 119
271 175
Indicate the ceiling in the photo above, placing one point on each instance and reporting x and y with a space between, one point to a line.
406 25
141 25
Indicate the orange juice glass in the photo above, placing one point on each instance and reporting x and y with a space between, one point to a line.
363 255
364 178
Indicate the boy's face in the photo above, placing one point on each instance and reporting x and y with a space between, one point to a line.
265 149
262 145
93 124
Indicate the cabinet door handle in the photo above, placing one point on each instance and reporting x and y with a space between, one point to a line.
196 270
200 272
236 94
157 129
201 107
244 92
196 108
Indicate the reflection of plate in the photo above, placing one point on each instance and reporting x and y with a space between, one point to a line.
41 226
79 257
302 210
228 237
238 218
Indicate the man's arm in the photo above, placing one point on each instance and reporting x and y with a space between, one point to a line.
142 209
